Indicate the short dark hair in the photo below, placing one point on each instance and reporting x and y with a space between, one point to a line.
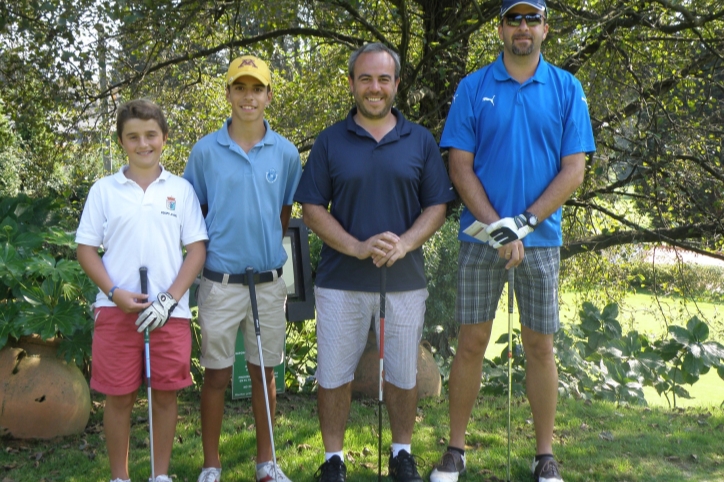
371 48
140 109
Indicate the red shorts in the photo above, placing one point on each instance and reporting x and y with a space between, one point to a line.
118 365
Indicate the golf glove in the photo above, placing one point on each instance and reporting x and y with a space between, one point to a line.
157 314
507 230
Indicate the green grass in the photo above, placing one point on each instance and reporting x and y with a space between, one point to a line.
594 442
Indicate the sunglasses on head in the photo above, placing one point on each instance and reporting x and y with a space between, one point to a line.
531 19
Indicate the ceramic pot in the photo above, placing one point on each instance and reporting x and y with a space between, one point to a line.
366 377
41 396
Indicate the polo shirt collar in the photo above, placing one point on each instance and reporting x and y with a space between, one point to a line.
121 178
402 127
542 72
224 139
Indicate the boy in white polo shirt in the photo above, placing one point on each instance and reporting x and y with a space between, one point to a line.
141 215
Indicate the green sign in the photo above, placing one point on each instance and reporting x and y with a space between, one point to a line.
240 379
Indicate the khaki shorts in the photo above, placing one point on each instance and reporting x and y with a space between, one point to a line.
343 323
226 309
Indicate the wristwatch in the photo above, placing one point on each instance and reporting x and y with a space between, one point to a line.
531 219
110 293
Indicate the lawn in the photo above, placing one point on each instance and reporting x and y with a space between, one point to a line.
595 442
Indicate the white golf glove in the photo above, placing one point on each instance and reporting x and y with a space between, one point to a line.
506 230
157 314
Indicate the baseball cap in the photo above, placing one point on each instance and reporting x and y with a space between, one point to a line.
508 4
248 65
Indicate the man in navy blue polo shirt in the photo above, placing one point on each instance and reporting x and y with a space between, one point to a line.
518 132
388 190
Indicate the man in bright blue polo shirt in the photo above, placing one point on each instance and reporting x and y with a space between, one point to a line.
518 132
245 176
388 189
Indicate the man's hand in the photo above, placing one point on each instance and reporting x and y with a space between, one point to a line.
506 230
157 314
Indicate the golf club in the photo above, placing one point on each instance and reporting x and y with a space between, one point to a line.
257 329
511 297
143 271
383 290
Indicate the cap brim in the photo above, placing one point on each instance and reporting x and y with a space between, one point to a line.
248 74
536 6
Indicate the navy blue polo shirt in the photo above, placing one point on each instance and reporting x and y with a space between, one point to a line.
373 187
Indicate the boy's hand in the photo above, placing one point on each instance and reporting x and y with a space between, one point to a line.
157 314
130 302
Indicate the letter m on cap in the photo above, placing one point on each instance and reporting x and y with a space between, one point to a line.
248 62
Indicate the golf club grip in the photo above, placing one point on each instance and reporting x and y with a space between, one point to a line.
252 299
143 272
511 289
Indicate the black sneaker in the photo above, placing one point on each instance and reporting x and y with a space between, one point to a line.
403 468
546 470
333 470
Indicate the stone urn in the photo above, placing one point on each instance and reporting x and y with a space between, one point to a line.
41 395
366 377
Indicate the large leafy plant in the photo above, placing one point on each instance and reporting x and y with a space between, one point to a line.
43 290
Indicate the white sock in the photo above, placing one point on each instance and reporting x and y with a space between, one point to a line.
329 455
397 447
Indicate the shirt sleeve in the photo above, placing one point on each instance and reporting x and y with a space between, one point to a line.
459 131
435 187
194 173
294 175
577 130
315 186
194 226
92 220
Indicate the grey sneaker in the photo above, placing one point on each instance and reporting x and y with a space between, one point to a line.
452 464
546 470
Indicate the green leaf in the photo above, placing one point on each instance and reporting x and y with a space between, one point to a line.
681 334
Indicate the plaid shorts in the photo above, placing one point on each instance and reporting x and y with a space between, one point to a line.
482 275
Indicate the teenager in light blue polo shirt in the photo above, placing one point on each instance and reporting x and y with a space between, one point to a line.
262 181
518 131
245 176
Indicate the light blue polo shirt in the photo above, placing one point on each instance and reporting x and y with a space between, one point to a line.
245 194
519 133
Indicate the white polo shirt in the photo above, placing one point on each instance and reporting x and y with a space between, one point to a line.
137 228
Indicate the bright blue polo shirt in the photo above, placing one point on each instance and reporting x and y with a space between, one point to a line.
245 194
519 133
373 187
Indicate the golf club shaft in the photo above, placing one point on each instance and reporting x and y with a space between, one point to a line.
257 329
511 302
383 296
143 272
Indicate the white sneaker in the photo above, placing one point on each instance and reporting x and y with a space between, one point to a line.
161 478
271 473
121 480
210 474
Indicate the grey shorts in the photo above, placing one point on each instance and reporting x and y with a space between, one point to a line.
225 309
482 276
343 323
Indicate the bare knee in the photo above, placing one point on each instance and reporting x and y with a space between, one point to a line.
121 402
473 340
164 399
538 347
217 379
